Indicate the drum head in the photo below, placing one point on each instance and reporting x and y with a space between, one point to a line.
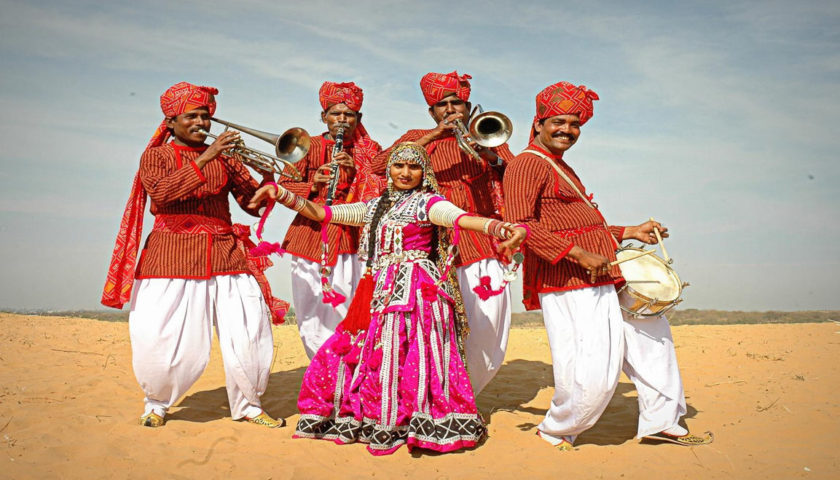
649 276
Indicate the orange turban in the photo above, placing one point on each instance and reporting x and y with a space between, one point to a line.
437 86
179 98
348 93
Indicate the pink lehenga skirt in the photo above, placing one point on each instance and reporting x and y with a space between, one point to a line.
402 381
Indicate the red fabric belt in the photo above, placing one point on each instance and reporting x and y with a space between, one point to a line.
186 223
573 232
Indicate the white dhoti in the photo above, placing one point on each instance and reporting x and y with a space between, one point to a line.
590 344
171 329
650 362
316 320
489 321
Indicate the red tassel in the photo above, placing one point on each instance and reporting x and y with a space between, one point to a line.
267 248
358 315
484 290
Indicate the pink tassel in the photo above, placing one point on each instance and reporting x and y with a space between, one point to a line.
330 295
265 249
485 290
429 291
342 345
334 298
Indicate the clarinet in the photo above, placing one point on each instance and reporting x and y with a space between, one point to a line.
337 148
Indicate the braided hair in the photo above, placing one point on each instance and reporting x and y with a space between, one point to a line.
383 206
441 238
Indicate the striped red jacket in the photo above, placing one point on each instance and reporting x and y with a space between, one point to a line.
303 239
192 237
558 219
466 183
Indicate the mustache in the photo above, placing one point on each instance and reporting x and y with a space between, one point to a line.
563 134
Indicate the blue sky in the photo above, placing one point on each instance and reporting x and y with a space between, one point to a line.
717 118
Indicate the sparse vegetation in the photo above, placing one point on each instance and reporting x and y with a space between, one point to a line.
693 316
690 316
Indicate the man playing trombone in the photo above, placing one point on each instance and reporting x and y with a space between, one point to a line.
472 181
194 270
336 170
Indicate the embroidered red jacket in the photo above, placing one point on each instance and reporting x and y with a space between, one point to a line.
559 219
303 239
185 198
471 185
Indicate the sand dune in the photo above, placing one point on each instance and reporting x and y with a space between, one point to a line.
69 405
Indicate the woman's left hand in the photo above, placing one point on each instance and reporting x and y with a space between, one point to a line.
515 236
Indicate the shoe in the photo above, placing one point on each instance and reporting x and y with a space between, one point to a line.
266 421
152 419
564 445
687 440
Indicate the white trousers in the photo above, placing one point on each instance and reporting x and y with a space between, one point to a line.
591 341
171 329
316 320
489 321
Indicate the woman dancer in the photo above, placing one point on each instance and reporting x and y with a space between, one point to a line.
392 372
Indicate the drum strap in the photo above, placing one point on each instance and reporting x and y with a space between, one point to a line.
572 184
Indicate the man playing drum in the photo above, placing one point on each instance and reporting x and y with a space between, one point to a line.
475 186
568 273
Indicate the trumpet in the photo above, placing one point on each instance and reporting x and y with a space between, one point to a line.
289 148
487 129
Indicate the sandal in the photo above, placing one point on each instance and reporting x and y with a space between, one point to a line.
266 421
688 440
152 419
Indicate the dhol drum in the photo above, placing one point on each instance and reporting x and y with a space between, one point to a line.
653 287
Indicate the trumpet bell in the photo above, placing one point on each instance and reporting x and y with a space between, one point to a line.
289 147
292 145
491 129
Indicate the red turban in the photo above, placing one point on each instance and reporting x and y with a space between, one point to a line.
437 86
348 93
179 98
563 98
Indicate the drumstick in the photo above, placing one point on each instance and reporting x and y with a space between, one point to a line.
646 252
661 245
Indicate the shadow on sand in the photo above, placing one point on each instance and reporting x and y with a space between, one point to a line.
517 384
519 381
279 400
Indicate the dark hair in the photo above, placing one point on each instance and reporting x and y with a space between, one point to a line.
383 206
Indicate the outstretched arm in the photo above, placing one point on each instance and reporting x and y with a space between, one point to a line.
446 214
345 214
308 209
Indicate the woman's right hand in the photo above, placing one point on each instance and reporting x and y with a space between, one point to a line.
270 191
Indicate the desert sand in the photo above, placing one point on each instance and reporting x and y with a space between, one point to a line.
69 406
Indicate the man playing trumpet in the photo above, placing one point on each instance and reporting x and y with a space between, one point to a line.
475 186
323 280
194 271
570 272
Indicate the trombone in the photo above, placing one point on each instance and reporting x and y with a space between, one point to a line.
487 129
289 148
